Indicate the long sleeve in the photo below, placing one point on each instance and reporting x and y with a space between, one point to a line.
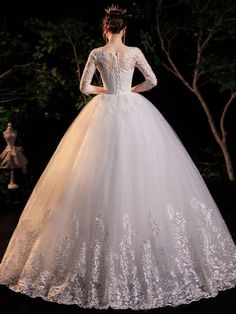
88 73
146 70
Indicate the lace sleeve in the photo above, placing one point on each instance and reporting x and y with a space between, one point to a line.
89 70
146 70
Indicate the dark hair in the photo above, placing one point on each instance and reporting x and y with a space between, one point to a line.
114 20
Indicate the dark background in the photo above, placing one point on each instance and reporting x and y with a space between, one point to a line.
174 101
170 97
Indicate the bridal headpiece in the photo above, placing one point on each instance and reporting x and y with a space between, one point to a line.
113 9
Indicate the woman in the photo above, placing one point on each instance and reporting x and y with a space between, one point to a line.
120 217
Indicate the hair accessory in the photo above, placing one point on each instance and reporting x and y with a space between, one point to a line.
115 9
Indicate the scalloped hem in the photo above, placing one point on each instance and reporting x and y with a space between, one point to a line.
119 307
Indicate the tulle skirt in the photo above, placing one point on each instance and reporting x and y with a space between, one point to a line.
120 217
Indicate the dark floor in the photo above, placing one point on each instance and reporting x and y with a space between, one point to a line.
224 194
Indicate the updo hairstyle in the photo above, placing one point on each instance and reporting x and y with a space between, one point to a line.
114 20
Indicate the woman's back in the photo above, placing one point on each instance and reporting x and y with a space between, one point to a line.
116 66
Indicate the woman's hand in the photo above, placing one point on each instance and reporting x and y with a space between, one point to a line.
100 89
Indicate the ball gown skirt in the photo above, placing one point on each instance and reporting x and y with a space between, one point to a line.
120 217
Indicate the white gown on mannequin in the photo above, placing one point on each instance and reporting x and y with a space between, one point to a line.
121 217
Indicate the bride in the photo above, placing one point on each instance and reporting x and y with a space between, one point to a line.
120 217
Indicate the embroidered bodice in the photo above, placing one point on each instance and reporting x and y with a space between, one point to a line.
116 70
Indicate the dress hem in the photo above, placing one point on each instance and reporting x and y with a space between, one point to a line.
112 306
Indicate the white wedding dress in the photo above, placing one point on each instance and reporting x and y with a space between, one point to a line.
121 217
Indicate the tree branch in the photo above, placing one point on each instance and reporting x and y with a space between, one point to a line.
174 70
222 120
75 54
213 31
196 73
220 67
7 100
14 67
2 101
207 4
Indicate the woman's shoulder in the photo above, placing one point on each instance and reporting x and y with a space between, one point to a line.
94 50
101 51
105 47
134 49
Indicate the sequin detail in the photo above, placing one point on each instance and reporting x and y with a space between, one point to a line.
140 271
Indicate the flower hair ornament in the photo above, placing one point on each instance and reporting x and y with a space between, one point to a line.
113 9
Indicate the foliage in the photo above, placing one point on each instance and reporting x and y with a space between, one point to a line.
39 82
183 22
49 81
194 41
210 163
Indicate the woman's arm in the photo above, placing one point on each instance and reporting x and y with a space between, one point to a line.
85 83
146 70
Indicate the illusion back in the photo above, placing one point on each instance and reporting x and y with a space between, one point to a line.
116 70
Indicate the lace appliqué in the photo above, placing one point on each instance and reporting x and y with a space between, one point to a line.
143 270
144 67
89 70
122 62
116 70
213 240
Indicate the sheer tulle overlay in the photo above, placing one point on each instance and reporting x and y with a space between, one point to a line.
120 217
